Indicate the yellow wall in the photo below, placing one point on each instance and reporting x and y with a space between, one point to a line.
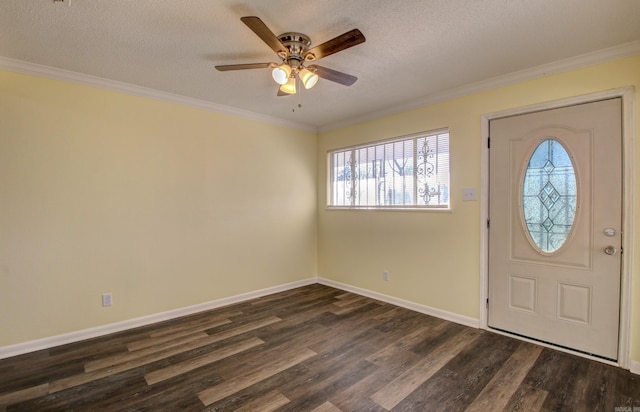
167 206
434 258
162 205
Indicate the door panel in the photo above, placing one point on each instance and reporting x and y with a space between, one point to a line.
555 206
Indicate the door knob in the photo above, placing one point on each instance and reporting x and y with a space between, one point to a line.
610 250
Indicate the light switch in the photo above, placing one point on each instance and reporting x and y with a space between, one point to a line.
469 194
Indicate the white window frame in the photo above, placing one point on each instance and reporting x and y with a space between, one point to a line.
420 182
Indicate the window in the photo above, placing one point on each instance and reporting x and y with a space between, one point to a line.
407 172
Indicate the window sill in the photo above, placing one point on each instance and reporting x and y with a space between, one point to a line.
443 209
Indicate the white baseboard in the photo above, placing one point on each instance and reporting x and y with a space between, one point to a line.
634 366
45 343
427 310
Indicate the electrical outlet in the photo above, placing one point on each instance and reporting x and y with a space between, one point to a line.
107 299
385 275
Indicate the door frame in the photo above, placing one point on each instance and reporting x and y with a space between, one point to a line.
628 123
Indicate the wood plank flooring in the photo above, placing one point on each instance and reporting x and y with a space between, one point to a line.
313 348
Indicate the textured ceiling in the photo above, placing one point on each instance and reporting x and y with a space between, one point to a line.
414 48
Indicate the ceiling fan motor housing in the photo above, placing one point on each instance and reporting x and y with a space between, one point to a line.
297 44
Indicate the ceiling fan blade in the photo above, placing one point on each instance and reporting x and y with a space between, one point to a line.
267 36
228 67
333 75
281 93
344 41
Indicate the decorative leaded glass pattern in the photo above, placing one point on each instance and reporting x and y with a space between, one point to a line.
549 196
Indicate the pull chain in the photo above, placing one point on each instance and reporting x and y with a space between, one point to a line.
298 93
299 83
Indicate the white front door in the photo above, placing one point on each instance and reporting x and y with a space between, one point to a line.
555 226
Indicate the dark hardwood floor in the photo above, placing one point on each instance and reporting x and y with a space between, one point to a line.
313 348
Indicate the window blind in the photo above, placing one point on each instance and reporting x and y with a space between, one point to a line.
407 172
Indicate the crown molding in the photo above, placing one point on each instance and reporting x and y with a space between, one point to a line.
33 69
560 66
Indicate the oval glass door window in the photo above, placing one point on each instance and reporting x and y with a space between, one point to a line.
549 196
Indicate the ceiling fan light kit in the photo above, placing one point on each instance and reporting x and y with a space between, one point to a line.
294 50
281 74
289 87
308 78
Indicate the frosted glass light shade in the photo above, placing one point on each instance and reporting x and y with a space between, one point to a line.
289 87
281 74
309 79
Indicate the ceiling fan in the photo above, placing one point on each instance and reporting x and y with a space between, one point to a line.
294 50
